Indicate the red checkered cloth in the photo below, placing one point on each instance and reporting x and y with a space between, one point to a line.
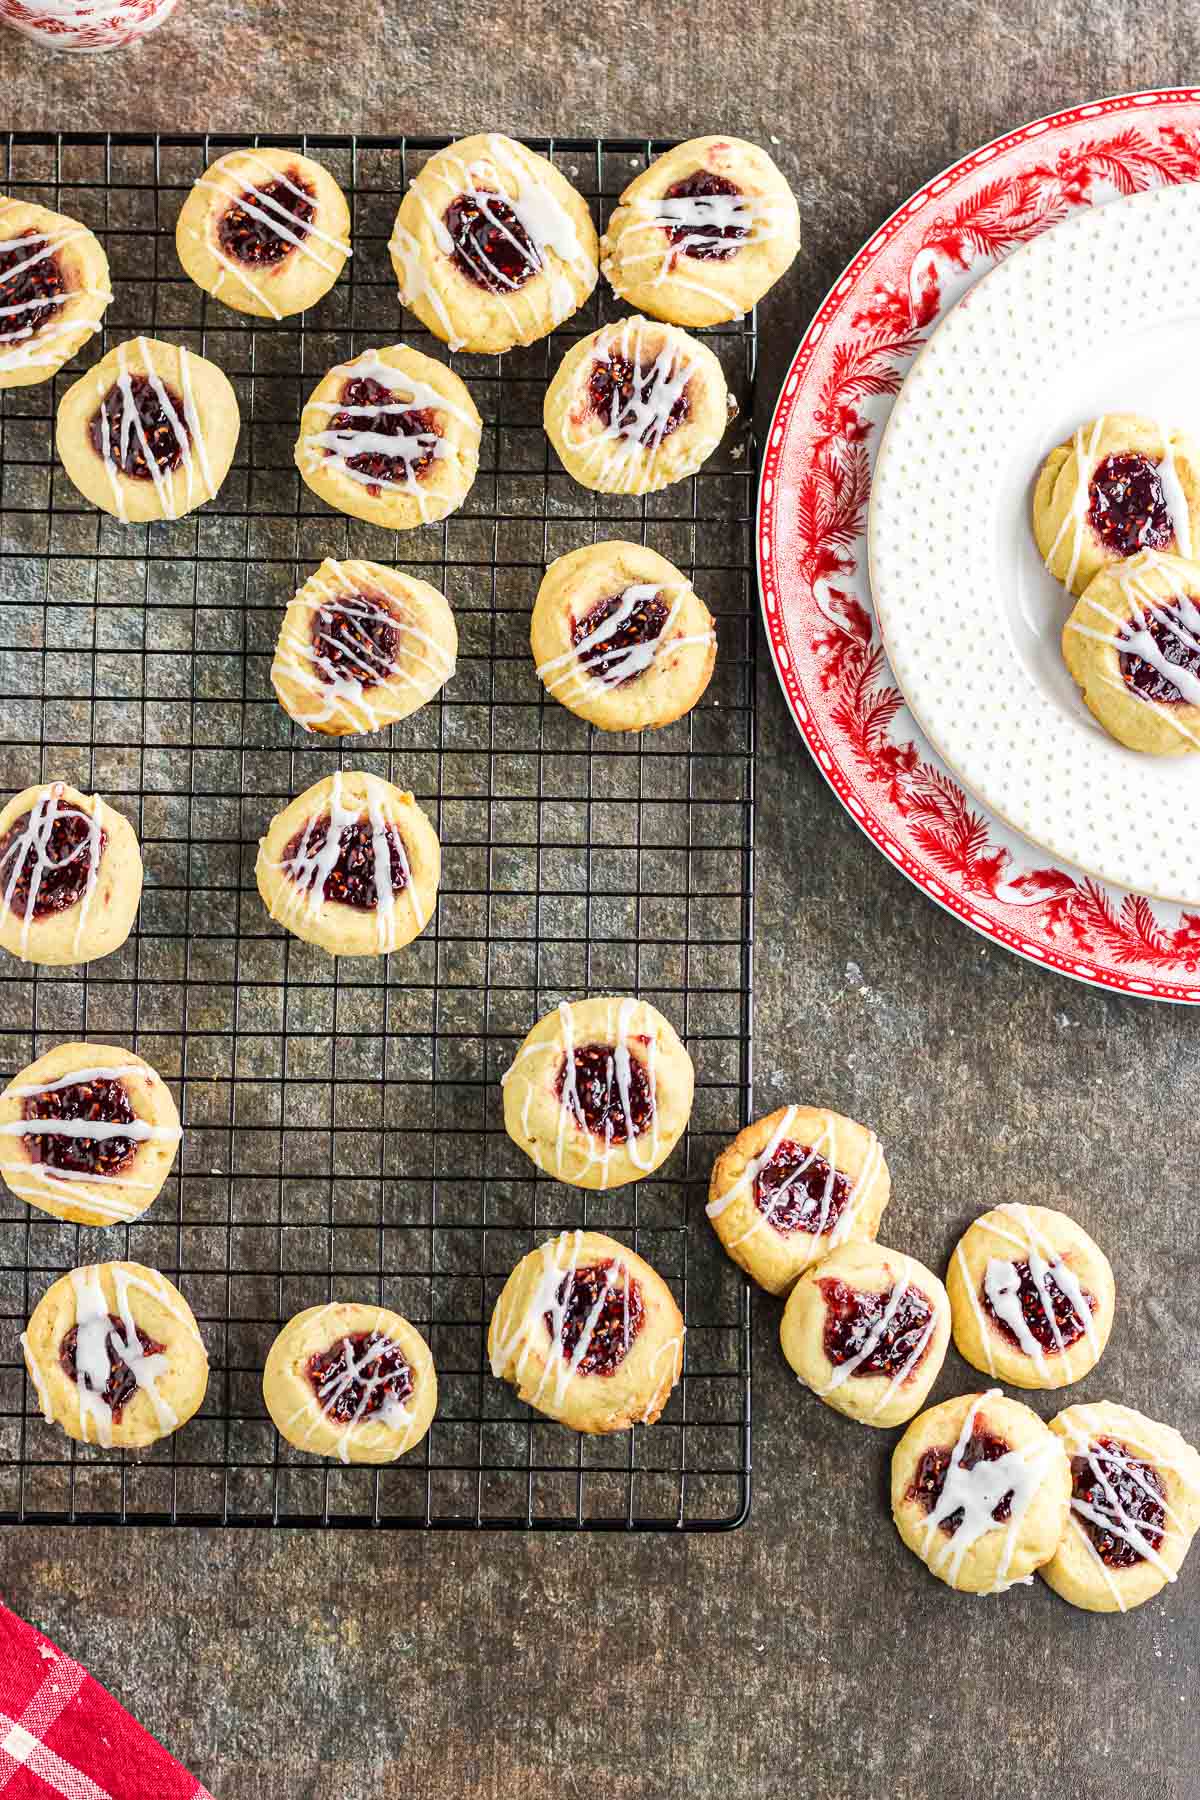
62 1734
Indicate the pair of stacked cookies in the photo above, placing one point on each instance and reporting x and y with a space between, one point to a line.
1116 516
1103 1502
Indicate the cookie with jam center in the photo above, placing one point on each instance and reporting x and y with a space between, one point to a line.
266 232
54 288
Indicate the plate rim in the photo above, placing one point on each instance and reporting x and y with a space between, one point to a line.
943 893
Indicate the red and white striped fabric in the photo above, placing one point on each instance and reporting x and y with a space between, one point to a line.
63 1735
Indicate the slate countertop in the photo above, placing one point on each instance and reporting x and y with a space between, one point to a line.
809 1651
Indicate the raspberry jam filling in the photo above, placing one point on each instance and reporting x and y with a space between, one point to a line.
254 241
606 655
929 1477
62 876
614 1326
623 394
1128 509
37 287
851 1317
121 1385
416 432
1178 643
354 640
351 880
1123 1491
1070 1326
107 1103
165 440
591 1089
490 246
358 1376
705 238
798 1190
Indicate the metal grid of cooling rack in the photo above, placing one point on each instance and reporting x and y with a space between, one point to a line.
342 1120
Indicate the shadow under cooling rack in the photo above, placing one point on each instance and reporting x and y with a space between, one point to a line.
342 1120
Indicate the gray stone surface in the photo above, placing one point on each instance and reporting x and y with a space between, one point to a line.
809 1652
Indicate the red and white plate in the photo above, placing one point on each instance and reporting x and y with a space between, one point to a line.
812 544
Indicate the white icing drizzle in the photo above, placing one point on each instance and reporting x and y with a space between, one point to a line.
405 394
616 456
702 218
91 1349
187 432
267 211
1075 519
21 347
843 1371
1083 1427
420 661
572 1133
1132 636
978 1491
568 676
672 1350
510 174
391 1413
824 1145
48 808
521 1332
309 868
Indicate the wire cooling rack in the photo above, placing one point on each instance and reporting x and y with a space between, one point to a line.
342 1120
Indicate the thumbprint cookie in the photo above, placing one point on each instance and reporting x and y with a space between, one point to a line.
265 231
1135 1507
1031 1297
588 1333
1132 645
600 1092
70 876
867 1329
492 246
352 865
792 1187
1118 486
636 406
115 1356
53 291
620 638
149 432
701 234
980 1492
360 647
88 1133
352 1381
391 437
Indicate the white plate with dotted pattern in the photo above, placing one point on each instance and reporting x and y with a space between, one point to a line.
1101 314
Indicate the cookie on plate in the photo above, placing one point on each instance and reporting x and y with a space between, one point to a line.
1119 485
1133 646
